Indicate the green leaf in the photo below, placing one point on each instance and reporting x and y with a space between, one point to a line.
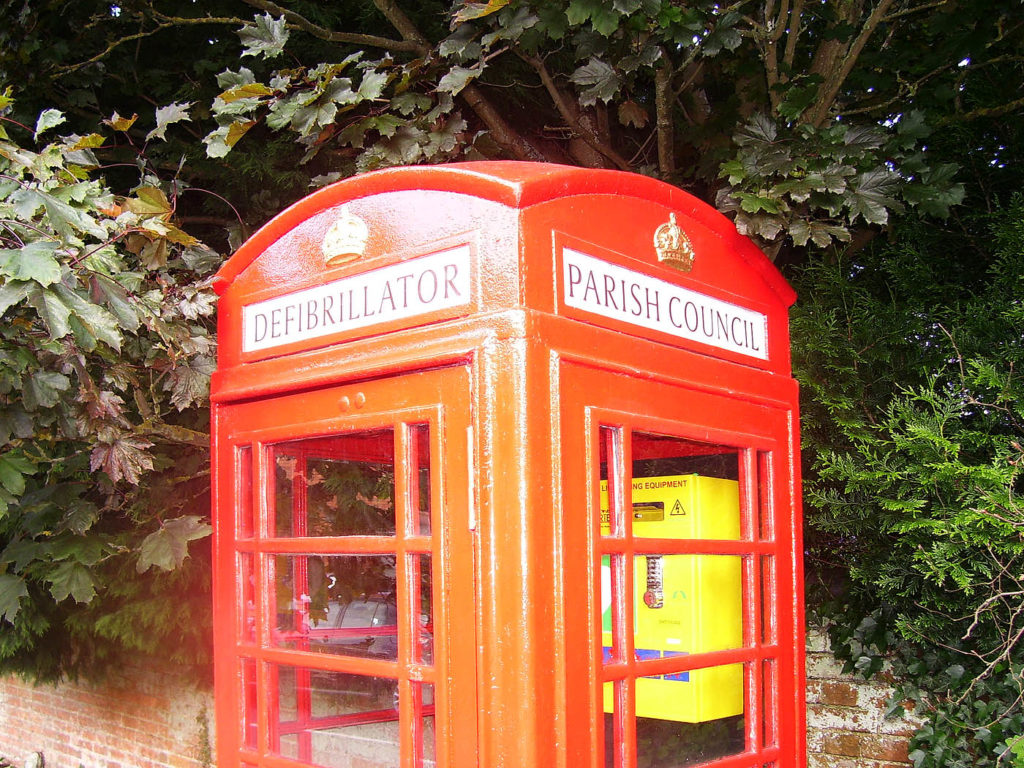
723 36
863 138
69 222
408 103
870 196
760 129
457 78
21 552
579 10
752 203
165 116
219 142
282 111
372 84
605 19
43 388
265 37
167 547
33 261
189 383
72 579
597 80
48 118
12 589
94 320
13 468
117 301
12 293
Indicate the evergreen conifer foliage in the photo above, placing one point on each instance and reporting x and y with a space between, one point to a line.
910 359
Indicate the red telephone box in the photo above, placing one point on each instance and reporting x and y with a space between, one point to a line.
505 475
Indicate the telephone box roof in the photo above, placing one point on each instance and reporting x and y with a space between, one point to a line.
514 184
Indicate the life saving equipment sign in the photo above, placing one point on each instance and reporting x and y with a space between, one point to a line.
682 604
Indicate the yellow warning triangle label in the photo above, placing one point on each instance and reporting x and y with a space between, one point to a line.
677 509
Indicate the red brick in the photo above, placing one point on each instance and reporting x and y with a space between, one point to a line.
843 743
839 694
891 748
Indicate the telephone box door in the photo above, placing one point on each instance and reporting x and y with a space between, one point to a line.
686 541
348 644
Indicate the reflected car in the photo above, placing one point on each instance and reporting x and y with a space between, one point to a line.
369 626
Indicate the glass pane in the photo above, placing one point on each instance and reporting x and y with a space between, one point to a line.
249 703
769 699
419 478
335 486
247 597
336 720
683 722
243 492
612 573
427 736
684 489
423 581
686 604
343 604
764 496
769 631
611 473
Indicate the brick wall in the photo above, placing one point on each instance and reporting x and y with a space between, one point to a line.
846 724
148 718
140 718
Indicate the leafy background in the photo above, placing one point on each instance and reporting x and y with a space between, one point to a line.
872 148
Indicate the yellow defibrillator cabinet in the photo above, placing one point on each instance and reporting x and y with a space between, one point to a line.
683 604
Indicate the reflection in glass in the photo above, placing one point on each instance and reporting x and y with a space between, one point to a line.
419 478
343 604
685 604
684 489
424 598
769 683
247 597
672 744
244 492
611 573
429 740
249 703
765 514
330 718
655 455
336 486
769 623
339 720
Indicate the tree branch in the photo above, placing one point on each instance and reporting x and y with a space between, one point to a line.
975 114
570 116
793 35
663 99
507 137
408 45
916 9
835 79
773 27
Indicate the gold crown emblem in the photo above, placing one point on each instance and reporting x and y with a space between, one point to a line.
673 246
345 239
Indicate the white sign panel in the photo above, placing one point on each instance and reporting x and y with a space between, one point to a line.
398 292
617 293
